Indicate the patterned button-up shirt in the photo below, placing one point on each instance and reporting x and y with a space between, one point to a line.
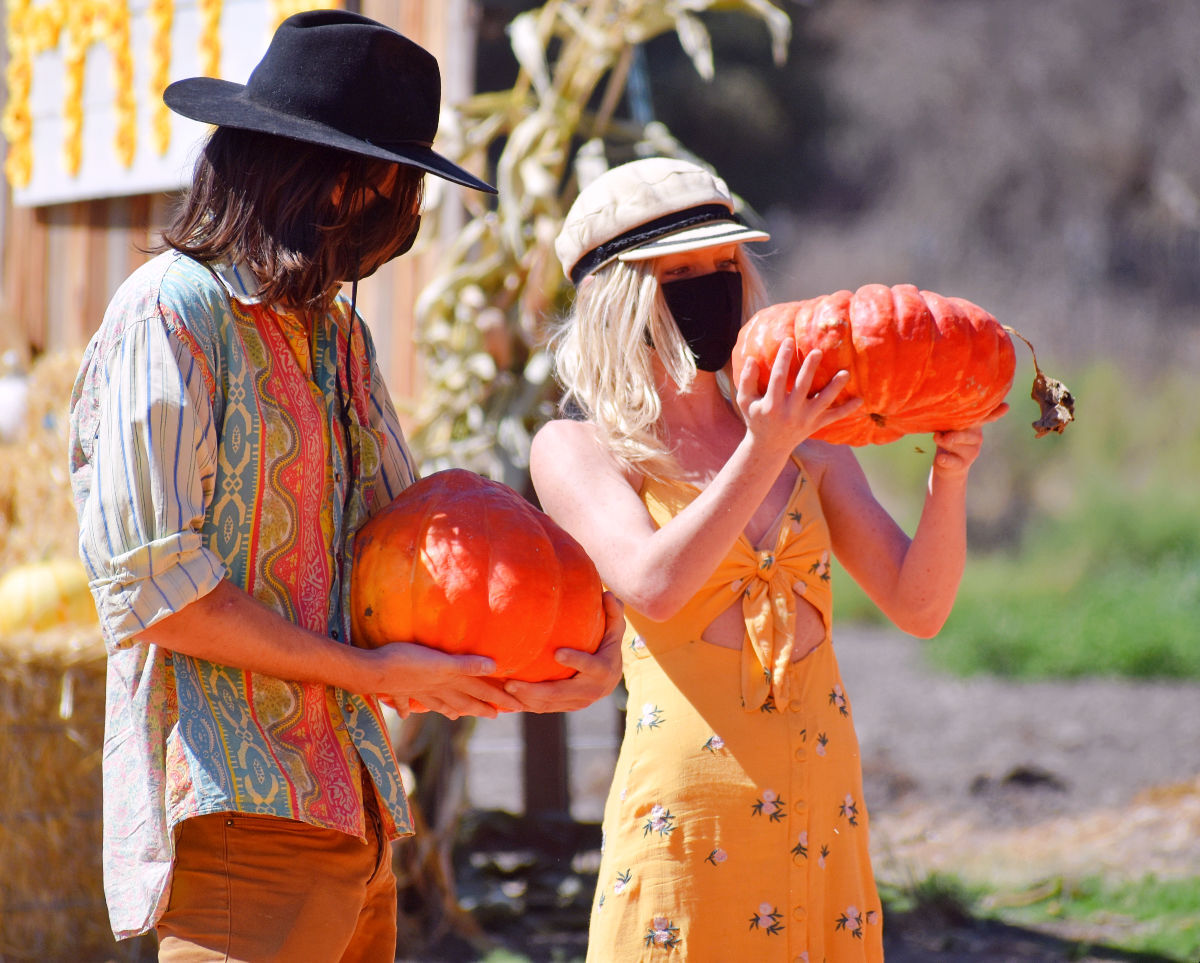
208 442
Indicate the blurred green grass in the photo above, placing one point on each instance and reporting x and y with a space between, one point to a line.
1148 915
1084 548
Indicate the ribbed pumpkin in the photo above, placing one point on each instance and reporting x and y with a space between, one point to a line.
42 595
466 565
920 362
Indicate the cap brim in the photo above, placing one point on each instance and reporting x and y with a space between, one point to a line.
712 234
221 102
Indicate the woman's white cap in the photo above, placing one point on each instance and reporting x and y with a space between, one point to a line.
645 209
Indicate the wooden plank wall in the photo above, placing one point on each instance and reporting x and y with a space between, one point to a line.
62 263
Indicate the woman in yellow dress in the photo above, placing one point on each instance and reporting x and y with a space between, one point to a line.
735 827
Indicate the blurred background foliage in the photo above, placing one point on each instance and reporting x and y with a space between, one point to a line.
1039 158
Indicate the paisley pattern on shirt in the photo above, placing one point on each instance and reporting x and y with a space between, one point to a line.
205 445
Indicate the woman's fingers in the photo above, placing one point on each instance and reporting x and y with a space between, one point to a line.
778 386
839 411
808 371
957 450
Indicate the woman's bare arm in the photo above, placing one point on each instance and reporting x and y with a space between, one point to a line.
914 580
657 570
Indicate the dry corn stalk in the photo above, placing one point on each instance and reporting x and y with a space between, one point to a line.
482 318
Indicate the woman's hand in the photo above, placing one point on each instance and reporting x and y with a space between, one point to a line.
957 450
787 414
596 673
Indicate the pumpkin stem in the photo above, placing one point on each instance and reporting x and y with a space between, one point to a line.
1055 398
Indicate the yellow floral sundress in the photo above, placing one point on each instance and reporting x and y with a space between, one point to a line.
735 827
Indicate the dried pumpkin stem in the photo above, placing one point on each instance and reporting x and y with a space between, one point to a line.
1055 398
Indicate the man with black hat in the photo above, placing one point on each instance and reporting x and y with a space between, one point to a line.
230 433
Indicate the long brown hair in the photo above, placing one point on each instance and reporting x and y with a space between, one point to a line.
267 202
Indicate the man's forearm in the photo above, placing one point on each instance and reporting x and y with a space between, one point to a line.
230 627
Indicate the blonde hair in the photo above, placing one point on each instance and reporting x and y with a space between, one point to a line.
603 357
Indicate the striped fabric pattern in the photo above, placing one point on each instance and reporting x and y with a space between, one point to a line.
207 443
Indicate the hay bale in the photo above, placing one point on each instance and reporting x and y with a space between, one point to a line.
37 513
51 735
51 706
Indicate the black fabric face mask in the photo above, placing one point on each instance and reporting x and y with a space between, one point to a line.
403 247
407 243
708 312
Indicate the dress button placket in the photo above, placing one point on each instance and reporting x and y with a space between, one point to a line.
799 820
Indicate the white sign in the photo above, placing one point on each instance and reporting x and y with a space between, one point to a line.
244 31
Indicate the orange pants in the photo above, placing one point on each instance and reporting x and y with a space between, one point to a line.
255 889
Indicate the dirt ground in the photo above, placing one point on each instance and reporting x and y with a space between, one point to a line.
1020 784
1017 785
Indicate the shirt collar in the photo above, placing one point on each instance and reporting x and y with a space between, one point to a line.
239 281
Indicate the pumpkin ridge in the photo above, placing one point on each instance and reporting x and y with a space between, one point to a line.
551 618
502 555
924 347
421 569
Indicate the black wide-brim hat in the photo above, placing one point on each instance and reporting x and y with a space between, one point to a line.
338 79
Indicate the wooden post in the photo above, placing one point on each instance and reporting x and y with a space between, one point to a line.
545 775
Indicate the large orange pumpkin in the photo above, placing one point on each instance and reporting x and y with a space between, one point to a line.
466 565
920 362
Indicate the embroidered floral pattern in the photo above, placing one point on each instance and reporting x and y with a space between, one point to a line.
662 933
837 698
849 810
770 805
622 881
717 856
661 821
651 717
767 918
801 847
851 922
714 744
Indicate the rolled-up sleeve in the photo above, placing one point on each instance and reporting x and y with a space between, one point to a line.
150 457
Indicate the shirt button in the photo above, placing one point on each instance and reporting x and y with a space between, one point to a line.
800 754
795 705
799 805
798 914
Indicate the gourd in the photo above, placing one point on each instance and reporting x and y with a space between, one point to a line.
41 595
466 565
921 362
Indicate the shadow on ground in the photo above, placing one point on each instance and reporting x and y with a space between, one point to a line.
528 884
